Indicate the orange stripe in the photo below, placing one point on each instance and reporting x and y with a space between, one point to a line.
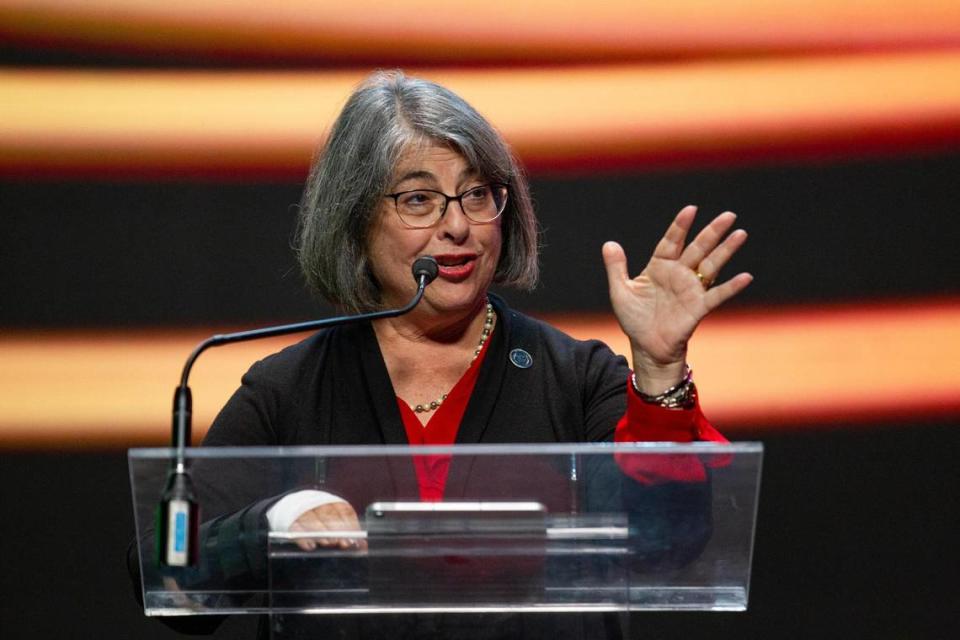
477 30
833 364
165 123
765 368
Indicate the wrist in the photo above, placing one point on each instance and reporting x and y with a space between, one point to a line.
653 377
682 395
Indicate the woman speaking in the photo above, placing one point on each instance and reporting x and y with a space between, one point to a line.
409 170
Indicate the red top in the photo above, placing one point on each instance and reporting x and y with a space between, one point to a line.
642 422
441 429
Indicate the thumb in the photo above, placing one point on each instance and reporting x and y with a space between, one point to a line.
615 262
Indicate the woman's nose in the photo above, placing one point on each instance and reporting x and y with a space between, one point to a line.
454 223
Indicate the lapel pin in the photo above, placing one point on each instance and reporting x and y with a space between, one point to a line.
521 359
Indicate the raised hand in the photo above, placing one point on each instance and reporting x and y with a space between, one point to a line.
659 309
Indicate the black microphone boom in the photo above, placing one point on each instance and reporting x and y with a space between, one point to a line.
177 518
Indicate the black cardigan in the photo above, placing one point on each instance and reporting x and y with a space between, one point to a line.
333 388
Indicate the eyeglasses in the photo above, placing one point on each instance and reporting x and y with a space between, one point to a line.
424 208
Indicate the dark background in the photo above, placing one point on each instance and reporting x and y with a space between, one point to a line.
102 254
858 522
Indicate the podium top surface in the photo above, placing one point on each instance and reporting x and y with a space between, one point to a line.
546 449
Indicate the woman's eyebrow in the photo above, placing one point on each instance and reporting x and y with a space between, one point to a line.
423 174
415 175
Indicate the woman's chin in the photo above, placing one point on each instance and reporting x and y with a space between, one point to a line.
456 297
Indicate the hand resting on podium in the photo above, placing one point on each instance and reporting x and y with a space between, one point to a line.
312 511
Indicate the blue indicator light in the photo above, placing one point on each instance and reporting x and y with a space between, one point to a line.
180 532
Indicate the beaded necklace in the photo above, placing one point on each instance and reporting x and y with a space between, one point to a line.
487 328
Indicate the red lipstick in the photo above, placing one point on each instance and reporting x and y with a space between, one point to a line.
456 267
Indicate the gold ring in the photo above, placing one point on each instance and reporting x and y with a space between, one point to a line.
704 280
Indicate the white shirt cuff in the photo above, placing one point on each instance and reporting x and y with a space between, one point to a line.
290 507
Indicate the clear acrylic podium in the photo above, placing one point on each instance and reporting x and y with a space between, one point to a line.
516 528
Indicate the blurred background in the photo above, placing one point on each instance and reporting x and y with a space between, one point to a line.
151 161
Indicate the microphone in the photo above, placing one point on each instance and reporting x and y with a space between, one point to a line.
426 267
178 513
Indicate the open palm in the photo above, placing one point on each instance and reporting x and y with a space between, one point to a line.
659 309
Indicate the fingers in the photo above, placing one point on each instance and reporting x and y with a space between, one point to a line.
671 245
705 256
710 266
335 516
307 544
708 253
707 240
615 262
350 522
716 296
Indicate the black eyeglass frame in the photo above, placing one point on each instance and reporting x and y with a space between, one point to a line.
446 204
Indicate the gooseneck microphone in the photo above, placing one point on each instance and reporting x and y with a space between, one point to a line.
425 271
178 514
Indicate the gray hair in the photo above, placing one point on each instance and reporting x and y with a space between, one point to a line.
351 174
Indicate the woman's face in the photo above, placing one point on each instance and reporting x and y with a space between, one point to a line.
467 252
